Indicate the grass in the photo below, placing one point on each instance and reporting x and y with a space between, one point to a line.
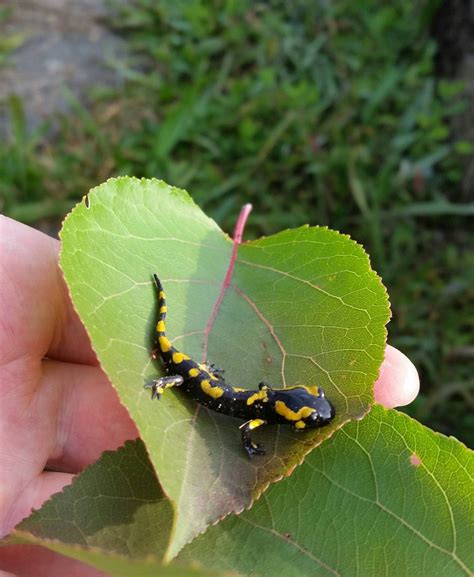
327 113
8 41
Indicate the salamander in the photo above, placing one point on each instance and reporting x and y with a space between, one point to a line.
302 407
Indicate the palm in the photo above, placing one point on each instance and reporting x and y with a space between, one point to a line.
58 410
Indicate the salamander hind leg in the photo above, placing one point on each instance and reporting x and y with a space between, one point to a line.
157 386
250 447
264 386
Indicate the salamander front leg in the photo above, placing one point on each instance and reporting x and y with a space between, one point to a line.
250 447
216 371
157 386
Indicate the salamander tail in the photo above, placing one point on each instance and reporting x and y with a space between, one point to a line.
163 344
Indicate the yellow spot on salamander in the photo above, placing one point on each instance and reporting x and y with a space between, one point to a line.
193 372
260 396
314 389
179 358
290 415
214 392
300 424
253 424
256 423
164 344
239 389
163 309
160 327
161 295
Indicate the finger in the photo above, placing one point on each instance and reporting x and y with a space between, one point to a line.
27 431
90 418
64 422
38 490
37 315
34 561
398 383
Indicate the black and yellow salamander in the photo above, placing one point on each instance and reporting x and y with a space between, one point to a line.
302 407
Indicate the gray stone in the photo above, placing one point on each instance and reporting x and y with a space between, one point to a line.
67 45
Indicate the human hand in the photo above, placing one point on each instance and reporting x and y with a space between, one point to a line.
59 411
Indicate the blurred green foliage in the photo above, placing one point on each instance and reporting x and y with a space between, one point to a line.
8 41
319 112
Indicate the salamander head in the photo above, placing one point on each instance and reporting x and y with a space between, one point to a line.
324 411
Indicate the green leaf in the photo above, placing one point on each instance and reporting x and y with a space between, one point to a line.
303 307
119 566
102 505
114 516
464 147
382 496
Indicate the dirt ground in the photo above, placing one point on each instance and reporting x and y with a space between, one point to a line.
66 45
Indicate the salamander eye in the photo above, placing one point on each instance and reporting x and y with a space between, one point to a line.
321 392
314 418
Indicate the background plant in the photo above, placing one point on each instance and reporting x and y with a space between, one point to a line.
327 113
